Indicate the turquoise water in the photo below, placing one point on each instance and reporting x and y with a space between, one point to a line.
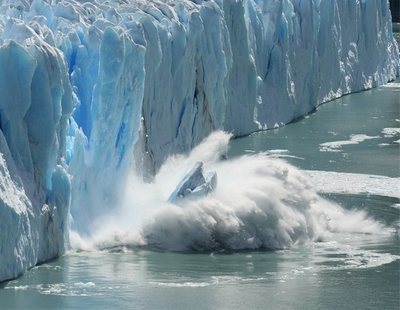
319 276
354 271
367 113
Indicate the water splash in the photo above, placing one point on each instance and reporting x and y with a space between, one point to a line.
260 202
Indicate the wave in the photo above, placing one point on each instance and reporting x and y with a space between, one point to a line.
260 202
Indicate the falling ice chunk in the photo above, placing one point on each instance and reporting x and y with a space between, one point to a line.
194 184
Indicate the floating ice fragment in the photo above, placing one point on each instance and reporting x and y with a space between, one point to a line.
390 132
335 146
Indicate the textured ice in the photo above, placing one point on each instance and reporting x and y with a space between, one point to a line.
335 146
194 184
354 183
391 132
92 89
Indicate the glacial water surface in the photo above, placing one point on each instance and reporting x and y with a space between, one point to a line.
350 150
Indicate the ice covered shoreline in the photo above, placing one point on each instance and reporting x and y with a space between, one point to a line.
90 89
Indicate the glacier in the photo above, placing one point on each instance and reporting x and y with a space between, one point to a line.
91 91
35 104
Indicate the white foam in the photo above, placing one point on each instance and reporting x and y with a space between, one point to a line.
259 202
349 257
332 255
66 289
396 206
222 280
184 284
20 288
84 285
55 289
278 151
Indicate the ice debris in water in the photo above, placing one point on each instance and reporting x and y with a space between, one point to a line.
194 184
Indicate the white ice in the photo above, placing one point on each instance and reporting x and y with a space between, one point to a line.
336 146
354 183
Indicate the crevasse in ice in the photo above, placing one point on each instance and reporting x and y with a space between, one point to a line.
89 90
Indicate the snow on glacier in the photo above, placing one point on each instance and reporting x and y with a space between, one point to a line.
95 89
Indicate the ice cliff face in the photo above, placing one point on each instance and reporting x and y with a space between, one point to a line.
95 88
35 104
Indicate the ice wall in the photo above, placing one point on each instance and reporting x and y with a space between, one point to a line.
250 65
147 79
35 104
198 66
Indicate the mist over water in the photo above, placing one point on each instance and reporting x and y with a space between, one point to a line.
260 202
